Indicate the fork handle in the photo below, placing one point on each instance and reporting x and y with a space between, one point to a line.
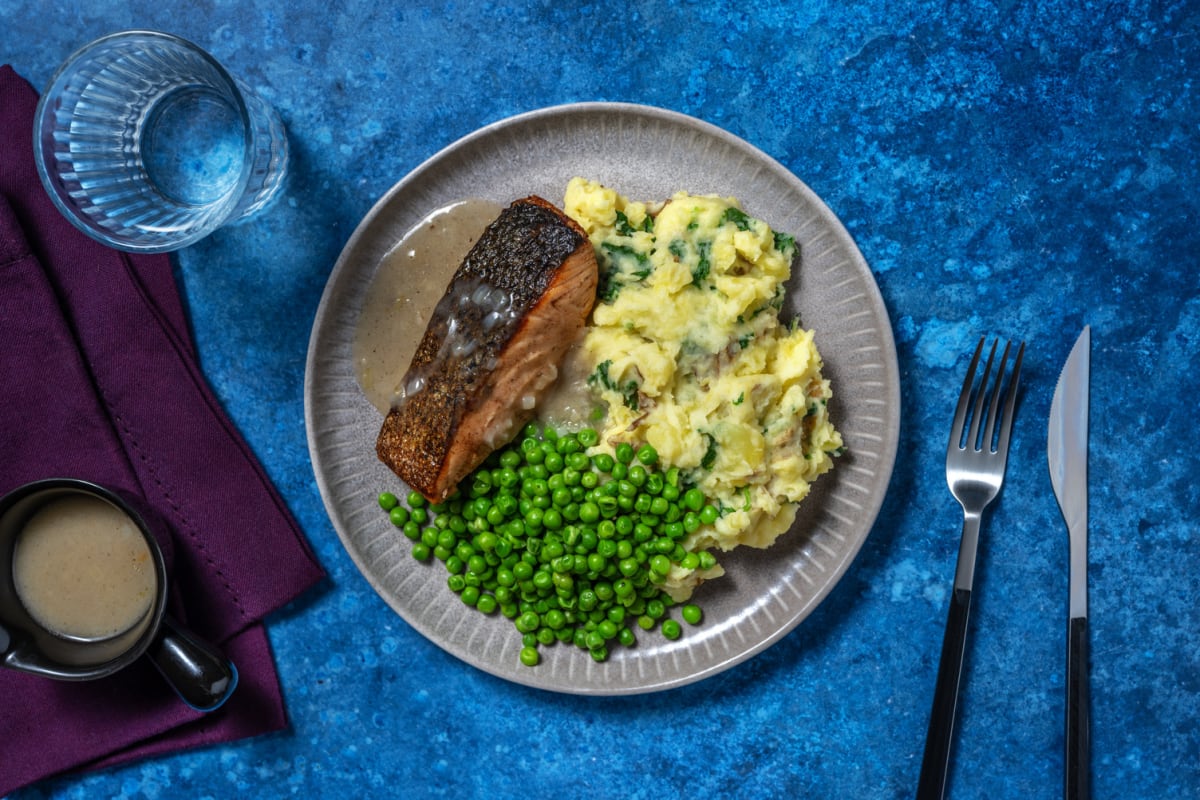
936 762
1077 783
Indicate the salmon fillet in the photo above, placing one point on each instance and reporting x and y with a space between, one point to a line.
514 307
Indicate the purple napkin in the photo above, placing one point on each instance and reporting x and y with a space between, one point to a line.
98 380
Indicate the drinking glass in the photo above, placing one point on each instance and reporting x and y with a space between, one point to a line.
146 143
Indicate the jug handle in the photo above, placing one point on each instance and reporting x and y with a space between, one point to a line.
201 676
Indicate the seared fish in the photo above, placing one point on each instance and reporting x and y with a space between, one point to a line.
516 304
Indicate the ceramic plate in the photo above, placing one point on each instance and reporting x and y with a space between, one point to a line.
643 153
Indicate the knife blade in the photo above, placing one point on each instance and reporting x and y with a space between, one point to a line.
1067 455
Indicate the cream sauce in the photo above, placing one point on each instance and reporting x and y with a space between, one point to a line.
569 404
408 284
83 569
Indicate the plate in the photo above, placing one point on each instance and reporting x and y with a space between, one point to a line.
644 153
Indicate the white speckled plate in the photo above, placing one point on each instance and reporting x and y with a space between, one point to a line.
644 153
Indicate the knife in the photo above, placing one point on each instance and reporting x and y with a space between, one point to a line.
1067 453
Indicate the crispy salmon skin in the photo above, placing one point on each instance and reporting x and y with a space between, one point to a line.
514 307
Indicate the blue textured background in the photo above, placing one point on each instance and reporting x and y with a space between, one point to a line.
1009 167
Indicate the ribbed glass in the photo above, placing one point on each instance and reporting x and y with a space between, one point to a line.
147 144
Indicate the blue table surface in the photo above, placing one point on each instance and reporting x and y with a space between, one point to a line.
1012 168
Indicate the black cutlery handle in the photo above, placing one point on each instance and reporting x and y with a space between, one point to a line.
936 762
1078 784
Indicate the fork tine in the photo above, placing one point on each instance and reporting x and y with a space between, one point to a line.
985 442
964 401
977 417
1010 402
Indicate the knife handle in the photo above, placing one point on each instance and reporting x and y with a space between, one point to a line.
936 762
1078 785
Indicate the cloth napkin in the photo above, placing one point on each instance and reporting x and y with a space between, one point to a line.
99 380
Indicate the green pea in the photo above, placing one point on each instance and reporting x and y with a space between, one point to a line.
388 501
589 512
399 516
671 629
624 452
691 613
529 656
709 514
421 551
647 454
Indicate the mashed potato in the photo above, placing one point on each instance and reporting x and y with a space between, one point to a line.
687 353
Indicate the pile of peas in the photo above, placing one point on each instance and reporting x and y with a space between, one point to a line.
572 547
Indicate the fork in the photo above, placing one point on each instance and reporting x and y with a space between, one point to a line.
975 460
